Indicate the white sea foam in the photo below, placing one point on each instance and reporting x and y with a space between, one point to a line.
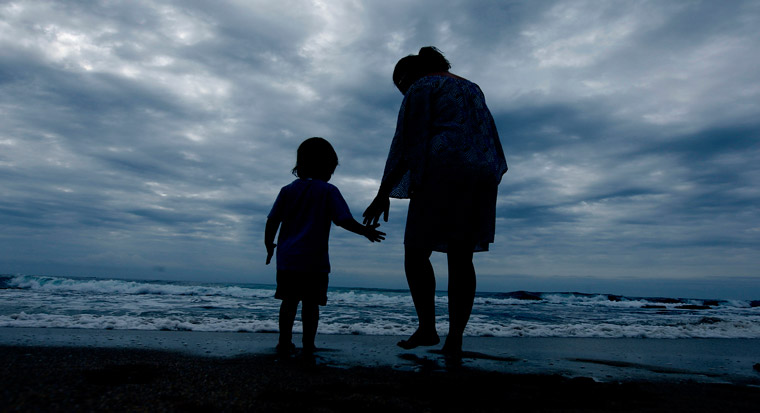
734 329
106 322
51 302
53 284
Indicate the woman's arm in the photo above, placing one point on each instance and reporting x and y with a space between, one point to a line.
381 204
392 178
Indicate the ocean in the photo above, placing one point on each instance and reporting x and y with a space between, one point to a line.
112 304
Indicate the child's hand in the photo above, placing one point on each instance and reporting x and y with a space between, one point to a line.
270 252
373 234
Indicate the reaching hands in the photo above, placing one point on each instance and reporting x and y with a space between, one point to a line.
372 234
368 231
379 206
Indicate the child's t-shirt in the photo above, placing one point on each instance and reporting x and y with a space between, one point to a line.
306 209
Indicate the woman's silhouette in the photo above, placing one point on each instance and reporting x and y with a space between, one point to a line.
447 158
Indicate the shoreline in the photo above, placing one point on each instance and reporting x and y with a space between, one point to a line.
129 370
729 361
99 379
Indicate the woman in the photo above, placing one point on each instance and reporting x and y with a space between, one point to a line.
446 158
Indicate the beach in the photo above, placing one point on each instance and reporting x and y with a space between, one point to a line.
83 344
129 370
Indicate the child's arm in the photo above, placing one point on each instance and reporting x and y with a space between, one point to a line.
369 231
269 233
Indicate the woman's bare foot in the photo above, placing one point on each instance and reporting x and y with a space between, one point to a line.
452 347
309 349
419 339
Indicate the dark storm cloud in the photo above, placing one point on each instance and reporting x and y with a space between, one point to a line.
157 134
711 143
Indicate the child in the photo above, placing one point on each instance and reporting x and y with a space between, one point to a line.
305 208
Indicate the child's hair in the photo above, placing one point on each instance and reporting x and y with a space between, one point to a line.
315 158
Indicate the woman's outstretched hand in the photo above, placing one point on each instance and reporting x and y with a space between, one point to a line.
379 206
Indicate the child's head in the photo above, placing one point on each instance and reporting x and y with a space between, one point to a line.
316 158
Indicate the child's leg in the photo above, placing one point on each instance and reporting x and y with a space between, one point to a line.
288 310
310 319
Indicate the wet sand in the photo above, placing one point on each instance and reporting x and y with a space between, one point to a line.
90 370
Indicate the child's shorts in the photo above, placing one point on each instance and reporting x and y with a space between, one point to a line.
302 286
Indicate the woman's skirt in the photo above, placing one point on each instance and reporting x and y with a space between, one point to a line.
443 214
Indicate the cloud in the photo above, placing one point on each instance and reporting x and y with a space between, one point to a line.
154 135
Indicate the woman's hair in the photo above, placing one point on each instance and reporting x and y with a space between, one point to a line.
315 158
410 68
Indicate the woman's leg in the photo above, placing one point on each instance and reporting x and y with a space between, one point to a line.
310 319
421 280
288 309
461 296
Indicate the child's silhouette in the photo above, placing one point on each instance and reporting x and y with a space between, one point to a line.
303 212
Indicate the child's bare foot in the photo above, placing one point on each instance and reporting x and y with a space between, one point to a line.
419 339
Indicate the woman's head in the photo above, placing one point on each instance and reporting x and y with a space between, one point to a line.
410 68
315 158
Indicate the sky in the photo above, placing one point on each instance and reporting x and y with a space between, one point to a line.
149 139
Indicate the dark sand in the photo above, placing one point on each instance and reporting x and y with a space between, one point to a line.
87 370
